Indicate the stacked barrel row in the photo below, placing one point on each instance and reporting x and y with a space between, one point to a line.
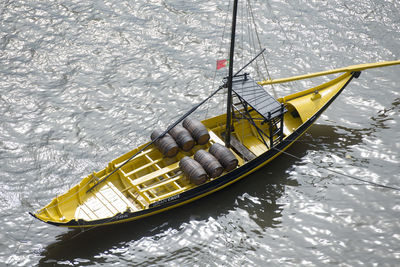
184 137
208 164
204 164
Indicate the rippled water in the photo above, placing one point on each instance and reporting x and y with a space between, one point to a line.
82 82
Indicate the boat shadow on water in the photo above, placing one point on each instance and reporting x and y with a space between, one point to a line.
266 185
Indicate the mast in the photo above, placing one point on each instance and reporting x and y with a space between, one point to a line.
230 76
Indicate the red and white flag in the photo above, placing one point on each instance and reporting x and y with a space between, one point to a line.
222 63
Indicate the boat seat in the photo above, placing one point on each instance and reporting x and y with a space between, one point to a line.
155 174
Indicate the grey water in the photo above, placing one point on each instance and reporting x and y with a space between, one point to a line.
83 82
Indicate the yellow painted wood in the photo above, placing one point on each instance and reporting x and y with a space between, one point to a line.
352 68
255 145
169 181
119 161
137 190
306 106
287 98
143 167
172 182
155 174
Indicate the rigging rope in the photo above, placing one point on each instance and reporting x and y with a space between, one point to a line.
20 242
259 43
340 173
219 51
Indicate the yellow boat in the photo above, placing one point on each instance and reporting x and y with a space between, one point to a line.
146 181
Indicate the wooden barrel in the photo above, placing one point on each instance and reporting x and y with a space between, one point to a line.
182 137
197 130
166 144
210 164
193 170
224 156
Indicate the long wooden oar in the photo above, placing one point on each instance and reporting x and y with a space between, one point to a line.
323 73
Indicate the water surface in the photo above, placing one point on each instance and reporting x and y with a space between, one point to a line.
82 82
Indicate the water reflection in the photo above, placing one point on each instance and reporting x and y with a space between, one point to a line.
258 196
380 121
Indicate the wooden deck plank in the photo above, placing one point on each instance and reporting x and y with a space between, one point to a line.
122 197
165 182
131 186
87 215
156 174
147 165
105 202
166 176
242 149
145 152
115 198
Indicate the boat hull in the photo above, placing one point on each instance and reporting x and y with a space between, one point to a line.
216 184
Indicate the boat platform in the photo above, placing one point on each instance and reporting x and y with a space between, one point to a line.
251 93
